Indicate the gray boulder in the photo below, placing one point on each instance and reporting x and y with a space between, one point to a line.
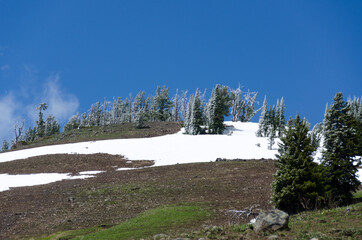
161 236
271 221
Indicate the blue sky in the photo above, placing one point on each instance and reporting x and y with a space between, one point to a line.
74 53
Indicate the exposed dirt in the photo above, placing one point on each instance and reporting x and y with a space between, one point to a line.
69 163
115 196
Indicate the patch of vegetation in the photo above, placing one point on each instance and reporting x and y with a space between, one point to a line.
172 218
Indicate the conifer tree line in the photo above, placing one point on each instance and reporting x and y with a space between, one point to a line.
199 116
300 184
272 119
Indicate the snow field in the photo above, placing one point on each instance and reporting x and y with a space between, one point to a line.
169 149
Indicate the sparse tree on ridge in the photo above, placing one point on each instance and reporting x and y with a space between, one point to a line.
5 146
162 104
184 104
18 131
176 107
217 108
340 144
242 105
40 123
51 126
188 115
73 123
30 134
272 120
263 128
281 118
194 116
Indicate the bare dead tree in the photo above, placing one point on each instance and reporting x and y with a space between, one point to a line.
240 101
18 130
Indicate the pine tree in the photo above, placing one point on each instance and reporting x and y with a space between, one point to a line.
40 123
188 116
194 116
51 126
162 104
263 130
316 134
73 123
281 118
139 119
30 134
297 184
197 114
218 107
340 144
5 146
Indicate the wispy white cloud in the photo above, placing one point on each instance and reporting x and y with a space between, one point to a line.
5 67
21 104
60 103
8 115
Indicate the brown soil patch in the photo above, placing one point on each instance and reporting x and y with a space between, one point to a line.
69 163
115 196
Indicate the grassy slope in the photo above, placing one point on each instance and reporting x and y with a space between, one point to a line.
338 223
120 131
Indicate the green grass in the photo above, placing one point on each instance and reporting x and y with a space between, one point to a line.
357 195
166 219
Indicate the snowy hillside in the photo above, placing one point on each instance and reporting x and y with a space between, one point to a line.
238 141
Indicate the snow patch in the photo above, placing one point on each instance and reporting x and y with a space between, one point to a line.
22 180
169 149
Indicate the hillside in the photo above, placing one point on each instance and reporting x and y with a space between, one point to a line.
118 187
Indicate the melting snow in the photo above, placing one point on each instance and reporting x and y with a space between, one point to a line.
21 180
238 141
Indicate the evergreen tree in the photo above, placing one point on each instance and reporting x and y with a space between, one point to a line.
184 104
73 123
5 146
176 107
31 134
40 123
281 118
162 105
316 134
51 126
194 116
263 127
197 114
356 112
139 119
218 107
340 144
297 184
95 115
188 116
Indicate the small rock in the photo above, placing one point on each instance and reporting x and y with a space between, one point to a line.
315 239
273 237
271 221
161 236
